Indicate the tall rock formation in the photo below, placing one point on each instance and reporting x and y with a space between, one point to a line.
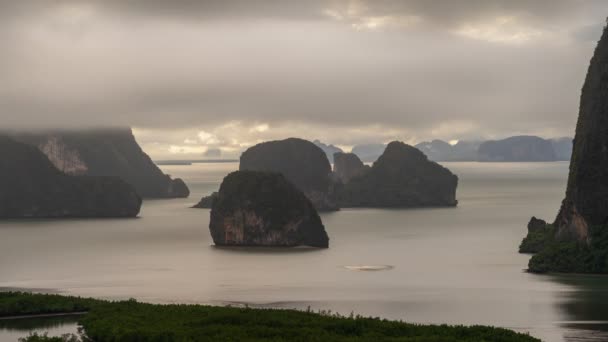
586 201
577 241
301 162
105 152
31 186
516 149
402 177
264 209
348 166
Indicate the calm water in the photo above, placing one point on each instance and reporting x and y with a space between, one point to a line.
457 265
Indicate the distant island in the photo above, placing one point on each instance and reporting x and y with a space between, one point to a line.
254 208
512 149
329 150
105 152
301 162
402 177
577 240
32 187
522 148
193 161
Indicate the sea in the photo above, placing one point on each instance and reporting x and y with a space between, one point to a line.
438 265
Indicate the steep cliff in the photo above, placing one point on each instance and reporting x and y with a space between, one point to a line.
30 186
300 161
348 166
585 203
578 239
517 149
106 152
264 209
402 177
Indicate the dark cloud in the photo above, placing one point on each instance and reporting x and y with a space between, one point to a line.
351 70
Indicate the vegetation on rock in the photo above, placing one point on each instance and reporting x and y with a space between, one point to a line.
33 187
106 152
578 239
264 209
300 161
402 177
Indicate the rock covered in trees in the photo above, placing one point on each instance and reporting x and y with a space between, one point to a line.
347 166
264 209
536 224
586 201
31 186
577 241
206 202
301 162
178 188
402 177
517 149
105 152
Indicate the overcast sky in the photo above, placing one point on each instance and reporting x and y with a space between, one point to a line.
196 75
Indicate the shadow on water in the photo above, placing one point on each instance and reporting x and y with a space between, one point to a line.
266 250
38 323
585 307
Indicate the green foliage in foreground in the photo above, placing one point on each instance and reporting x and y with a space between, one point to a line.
574 256
22 303
133 321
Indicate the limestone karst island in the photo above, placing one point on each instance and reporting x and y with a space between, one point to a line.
329 170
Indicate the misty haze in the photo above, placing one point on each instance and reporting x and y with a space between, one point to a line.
321 170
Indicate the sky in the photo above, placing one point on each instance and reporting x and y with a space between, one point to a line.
194 77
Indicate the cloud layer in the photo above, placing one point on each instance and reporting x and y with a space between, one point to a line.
343 71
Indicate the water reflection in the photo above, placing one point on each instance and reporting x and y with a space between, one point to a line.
584 307
12 329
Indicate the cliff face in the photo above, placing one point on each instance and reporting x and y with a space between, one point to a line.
300 161
106 152
347 166
264 209
32 187
577 241
586 201
402 177
517 149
